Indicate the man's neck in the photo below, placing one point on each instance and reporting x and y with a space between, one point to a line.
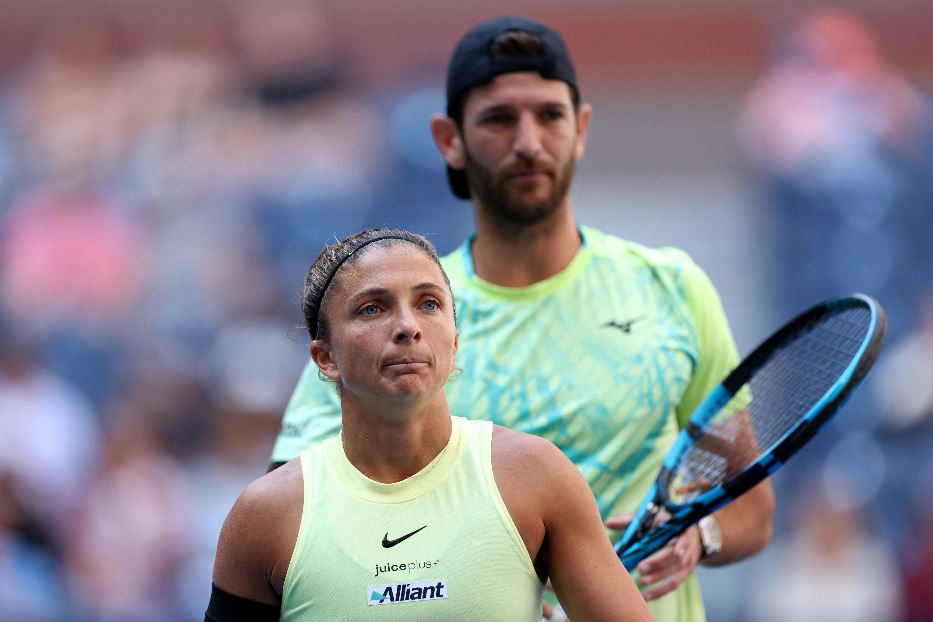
522 256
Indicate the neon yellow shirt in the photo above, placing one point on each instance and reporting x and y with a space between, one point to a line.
439 545
606 359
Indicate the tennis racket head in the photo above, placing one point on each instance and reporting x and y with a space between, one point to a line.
764 411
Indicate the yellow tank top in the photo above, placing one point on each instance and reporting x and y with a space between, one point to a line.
439 545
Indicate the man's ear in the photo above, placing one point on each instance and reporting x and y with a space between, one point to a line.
320 354
584 114
447 138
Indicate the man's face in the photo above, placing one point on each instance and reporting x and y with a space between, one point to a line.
522 138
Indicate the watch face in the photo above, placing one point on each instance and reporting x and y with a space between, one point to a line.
710 536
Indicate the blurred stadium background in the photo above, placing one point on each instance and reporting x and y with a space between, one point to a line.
169 169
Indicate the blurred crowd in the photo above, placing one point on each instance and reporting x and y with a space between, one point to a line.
840 144
159 207
160 204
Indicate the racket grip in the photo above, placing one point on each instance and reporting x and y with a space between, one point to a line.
632 555
641 522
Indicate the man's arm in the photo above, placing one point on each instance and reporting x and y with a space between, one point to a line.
745 525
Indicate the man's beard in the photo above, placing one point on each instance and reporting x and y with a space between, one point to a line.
497 201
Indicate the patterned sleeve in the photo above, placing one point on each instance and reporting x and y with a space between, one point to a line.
312 415
717 352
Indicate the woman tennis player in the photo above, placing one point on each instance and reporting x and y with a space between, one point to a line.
411 513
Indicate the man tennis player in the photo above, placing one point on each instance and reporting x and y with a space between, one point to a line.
598 344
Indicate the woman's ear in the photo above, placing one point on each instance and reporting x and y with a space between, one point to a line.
448 141
321 355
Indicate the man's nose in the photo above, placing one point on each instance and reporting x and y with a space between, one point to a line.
527 142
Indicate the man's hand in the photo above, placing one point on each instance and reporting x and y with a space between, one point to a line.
662 572
550 612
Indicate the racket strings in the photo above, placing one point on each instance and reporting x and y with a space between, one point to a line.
796 376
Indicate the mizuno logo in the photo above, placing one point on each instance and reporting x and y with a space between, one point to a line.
625 327
432 589
386 543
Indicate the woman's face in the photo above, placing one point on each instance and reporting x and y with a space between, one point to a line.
391 323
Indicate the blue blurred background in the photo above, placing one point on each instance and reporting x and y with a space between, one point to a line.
169 169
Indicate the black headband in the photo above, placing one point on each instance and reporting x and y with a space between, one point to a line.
315 319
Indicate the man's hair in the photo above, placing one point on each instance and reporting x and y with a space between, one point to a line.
509 44
348 251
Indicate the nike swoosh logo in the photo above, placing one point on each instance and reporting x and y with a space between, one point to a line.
625 327
388 544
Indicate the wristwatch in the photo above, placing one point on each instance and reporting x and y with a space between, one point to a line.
710 536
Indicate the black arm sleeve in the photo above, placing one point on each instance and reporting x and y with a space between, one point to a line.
225 607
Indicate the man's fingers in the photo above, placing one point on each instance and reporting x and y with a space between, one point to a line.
553 614
668 568
666 586
619 521
658 566
687 547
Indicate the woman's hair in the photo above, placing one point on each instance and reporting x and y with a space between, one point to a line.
348 251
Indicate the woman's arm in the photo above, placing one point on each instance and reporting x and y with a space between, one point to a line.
587 576
554 510
255 546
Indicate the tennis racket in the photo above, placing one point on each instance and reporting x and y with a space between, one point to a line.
765 410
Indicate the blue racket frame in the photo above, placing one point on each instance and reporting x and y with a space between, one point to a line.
639 540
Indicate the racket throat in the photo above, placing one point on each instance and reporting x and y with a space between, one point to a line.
647 523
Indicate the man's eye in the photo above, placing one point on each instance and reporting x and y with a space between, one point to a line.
496 119
431 305
369 310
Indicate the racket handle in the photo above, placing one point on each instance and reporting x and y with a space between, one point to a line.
631 556
641 522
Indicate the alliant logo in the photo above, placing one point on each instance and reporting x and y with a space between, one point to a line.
432 589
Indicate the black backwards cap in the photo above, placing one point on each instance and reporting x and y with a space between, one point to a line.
473 64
